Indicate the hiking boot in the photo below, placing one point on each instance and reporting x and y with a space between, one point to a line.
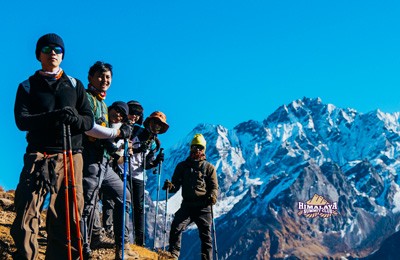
139 241
87 253
165 255
128 252
109 234
101 241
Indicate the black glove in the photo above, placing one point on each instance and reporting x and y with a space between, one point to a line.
141 149
125 131
212 199
168 185
69 116
110 147
159 158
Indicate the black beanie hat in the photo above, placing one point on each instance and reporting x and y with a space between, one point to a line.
47 39
135 106
122 106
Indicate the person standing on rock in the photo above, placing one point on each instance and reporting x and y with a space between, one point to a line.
198 179
97 171
145 145
44 102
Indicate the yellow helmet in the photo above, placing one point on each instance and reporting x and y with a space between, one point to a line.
198 139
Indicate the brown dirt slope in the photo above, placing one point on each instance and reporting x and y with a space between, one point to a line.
7 246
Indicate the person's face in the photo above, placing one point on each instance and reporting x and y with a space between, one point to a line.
101 80
134 115
115 116
51 57
133 118
196 151
155 126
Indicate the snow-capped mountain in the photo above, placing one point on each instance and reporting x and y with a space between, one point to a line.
267 169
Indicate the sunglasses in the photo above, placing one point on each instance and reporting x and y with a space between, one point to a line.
135 112
120 111
197 146
48 49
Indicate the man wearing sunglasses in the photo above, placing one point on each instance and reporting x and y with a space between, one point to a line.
199 183
45 102
97 169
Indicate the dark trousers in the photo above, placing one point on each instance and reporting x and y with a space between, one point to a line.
138 199
29 200
100 175
138 217
108 212
201 216
97 226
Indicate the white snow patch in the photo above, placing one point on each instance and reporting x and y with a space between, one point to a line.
396 200
224 206
331 108
174 202
252 182
257 149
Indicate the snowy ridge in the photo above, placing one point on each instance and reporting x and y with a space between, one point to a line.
303 148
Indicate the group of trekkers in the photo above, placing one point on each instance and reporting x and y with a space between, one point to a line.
80 152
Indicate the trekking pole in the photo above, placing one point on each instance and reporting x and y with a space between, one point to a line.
67 220
158 198
165 217
75 205
88 220
215 233
131 191
85 233
124 194
144 196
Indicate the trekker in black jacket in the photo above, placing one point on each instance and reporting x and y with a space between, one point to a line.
45 102
199 183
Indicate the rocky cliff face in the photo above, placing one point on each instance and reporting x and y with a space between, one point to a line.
265 169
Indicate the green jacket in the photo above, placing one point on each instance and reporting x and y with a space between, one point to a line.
99 108
198 180
100 112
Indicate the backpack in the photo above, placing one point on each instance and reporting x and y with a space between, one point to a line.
27 85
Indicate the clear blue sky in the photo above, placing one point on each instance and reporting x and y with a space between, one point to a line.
218 62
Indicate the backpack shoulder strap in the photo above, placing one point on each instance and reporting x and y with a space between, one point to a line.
92 100
26 85
73 81
94 104
203 168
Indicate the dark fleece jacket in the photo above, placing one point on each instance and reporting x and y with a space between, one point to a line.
197 185
35 112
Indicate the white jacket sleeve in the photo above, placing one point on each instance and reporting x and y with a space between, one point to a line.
102 132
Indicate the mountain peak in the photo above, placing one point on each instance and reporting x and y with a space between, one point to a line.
303 148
